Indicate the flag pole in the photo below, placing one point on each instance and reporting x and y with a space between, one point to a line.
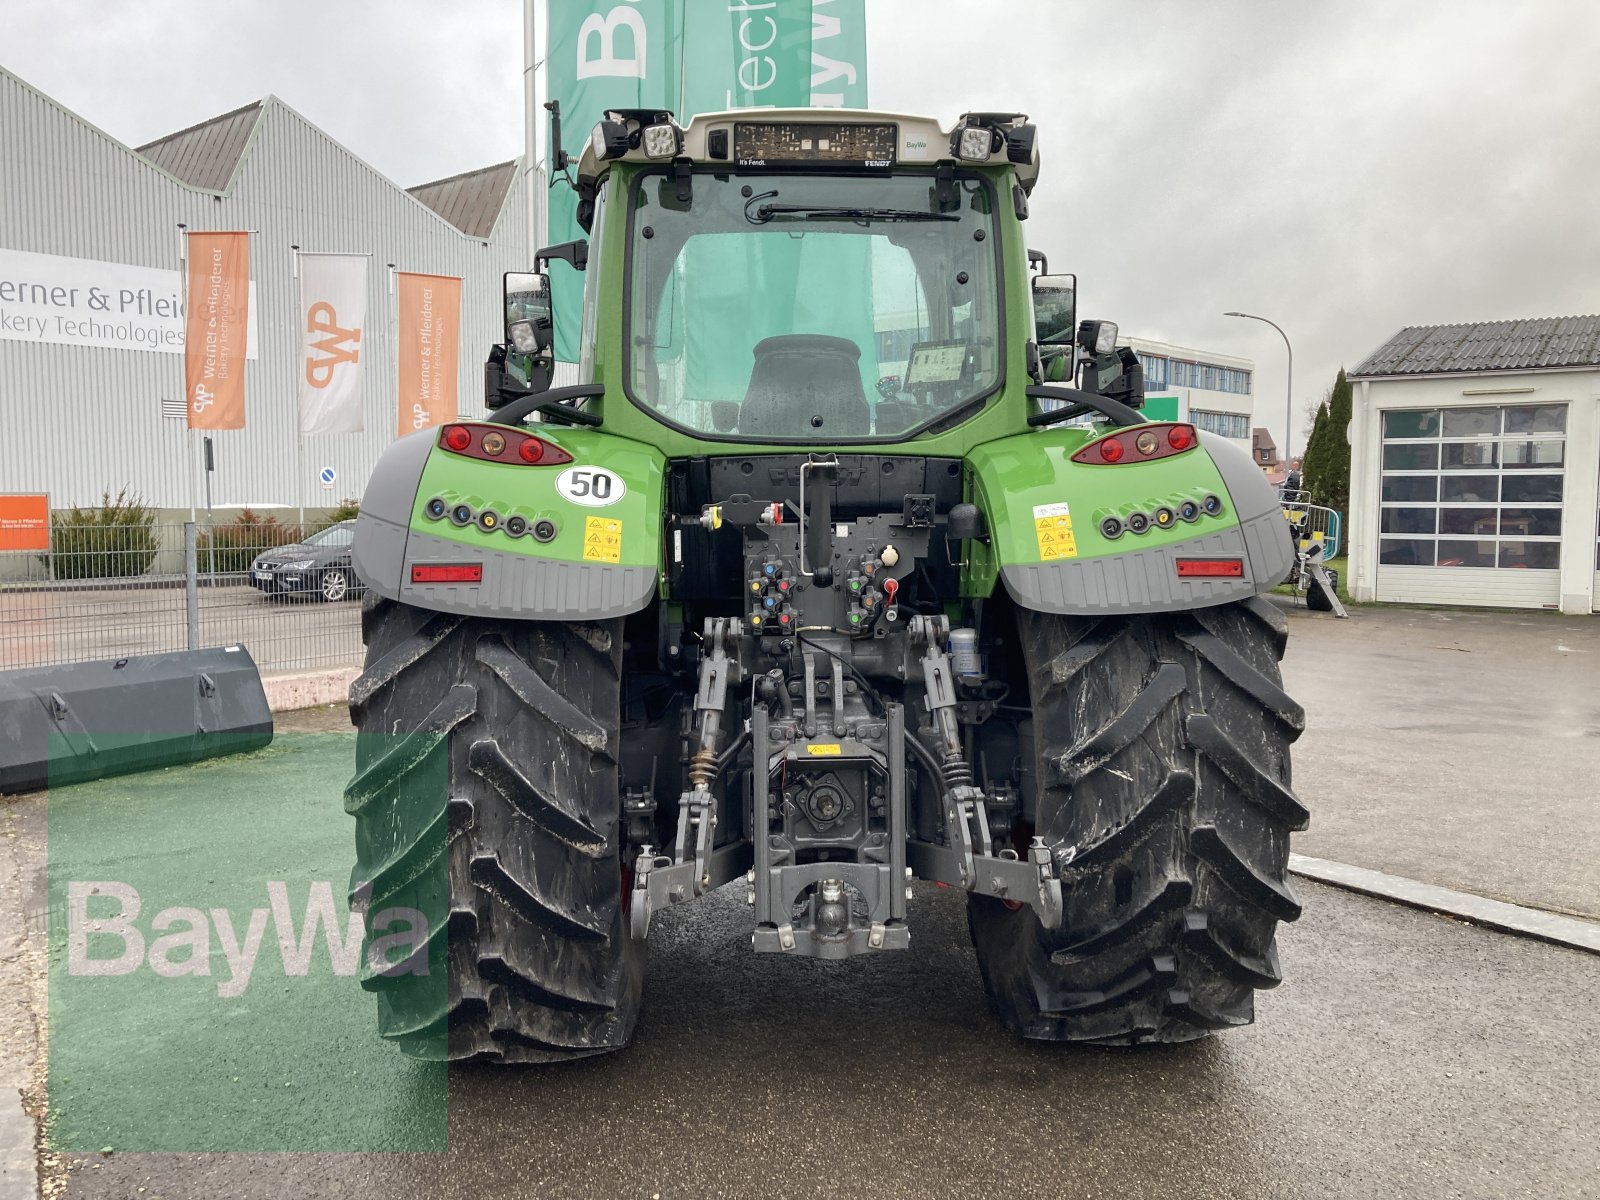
183 370
299 424
531 110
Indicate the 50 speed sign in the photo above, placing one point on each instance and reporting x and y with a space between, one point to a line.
593 487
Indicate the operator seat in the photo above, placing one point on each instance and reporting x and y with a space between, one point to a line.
806 385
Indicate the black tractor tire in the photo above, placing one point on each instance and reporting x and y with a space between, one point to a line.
486 796
1162 785
1317 599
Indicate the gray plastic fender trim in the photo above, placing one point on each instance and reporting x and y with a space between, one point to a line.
1147 580
516 586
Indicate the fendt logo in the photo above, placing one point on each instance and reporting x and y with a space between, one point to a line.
338 345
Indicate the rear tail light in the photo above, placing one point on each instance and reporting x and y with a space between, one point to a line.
1210 568
447 573
1140 445
537 452
492 443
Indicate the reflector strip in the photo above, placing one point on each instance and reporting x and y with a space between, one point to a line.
1211 568
447 573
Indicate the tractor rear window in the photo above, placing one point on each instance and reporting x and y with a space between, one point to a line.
812 308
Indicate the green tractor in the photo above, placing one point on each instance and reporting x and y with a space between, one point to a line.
817 584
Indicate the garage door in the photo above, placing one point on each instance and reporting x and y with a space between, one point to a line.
1470 510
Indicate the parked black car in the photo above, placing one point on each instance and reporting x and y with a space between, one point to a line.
318 566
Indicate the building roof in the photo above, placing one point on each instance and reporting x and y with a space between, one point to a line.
1261 439
206 155
471 201
1213 358
1487 346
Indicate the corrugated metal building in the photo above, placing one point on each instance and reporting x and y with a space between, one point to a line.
1475 466
83 419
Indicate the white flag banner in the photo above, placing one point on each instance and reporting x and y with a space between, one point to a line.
333 312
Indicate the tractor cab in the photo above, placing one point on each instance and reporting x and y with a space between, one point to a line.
807 277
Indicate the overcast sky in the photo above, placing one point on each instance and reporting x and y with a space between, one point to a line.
1345 168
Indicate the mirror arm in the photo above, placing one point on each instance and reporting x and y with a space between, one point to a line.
551 404
1081 402
575 252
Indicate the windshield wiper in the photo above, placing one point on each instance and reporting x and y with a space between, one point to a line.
760 215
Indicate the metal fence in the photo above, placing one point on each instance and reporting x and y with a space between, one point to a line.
110 590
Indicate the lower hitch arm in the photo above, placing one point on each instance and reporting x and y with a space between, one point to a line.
695 866
970 861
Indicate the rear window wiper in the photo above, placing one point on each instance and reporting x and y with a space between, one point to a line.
761 214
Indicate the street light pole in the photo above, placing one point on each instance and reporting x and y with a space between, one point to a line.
1288 388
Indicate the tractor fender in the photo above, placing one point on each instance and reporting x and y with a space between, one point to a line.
594 557
1047 514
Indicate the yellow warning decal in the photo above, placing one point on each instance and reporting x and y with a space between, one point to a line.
1052 525
829 750
602 539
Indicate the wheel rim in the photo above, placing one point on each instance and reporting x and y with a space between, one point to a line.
333 585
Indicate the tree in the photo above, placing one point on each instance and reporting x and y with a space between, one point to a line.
1327 459
1313 452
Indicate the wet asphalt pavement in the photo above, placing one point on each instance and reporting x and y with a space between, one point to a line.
1459 748
1405 1054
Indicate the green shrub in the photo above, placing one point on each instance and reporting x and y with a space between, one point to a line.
233 546
348 510
117 540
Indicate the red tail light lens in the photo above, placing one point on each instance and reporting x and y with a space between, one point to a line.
545 454
1141 445
495 443
447 573
1211 568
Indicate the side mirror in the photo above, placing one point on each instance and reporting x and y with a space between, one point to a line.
1055 309
528 314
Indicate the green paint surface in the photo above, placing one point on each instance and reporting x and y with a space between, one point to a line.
1014 476
516 489
139 1061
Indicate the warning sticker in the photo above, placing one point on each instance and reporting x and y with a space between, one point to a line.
602 539
825 749
1052 525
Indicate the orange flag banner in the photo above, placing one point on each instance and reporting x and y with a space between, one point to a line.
430 339
215 333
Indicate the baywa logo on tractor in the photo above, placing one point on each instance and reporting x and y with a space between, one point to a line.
850 562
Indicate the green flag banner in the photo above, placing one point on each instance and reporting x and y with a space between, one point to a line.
689 56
